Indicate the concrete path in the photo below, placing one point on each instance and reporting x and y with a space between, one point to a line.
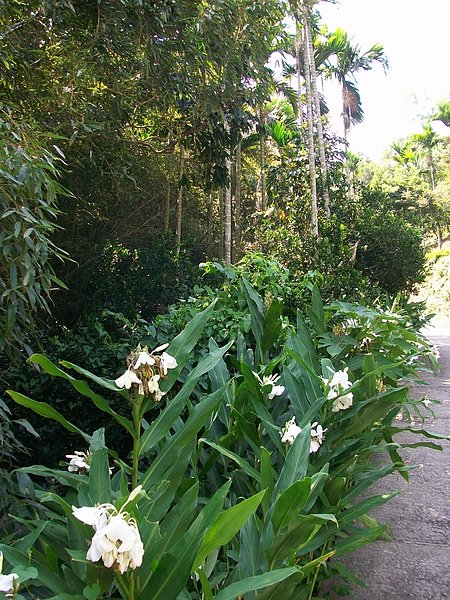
416 564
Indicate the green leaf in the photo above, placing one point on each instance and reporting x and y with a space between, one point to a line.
173 569
297 460
99 478
271 326
185 435
235 457
43 409
289 503
256 582
82 387
92 592
379 406
350 514
183 344
301 530
162 424
227 525
370 383
358 540
266 478
206 586
316 312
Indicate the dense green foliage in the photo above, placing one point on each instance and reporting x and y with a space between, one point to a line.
224 497
28 208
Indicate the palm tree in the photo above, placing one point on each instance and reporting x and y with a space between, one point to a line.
443 112
348 61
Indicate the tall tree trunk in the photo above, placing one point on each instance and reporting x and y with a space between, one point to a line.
432 170
319 124
346 118
167 204
439 236
221 236
298 69
262 176
179 214
210 219
237 202
311 149
227 216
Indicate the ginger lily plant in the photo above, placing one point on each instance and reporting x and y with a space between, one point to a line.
244 480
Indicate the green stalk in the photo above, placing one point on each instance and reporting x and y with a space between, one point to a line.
136 441
123 588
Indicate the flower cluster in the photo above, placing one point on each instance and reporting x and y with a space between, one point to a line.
145 370
291 430
9 584
271 380
79 462
116 541
337 387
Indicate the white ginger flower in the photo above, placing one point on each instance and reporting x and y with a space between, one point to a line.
290 431
78 462
338 384
340 378
317 437
271 380
153 386
128 378
8 583
342 402
167 362
116 541
144 358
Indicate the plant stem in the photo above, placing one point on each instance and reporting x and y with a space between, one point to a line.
123 588
311 591
136 440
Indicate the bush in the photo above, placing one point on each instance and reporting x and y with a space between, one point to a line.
246 473
28 209
391 253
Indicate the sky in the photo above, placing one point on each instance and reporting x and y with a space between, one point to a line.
416 38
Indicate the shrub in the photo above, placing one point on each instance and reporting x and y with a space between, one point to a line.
247 467
28 208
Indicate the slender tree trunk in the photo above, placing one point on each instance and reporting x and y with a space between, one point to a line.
210 219
298 68
179 214
221 236
319 124
311 149
167 204
439 236
237 203
262 176
227 216
432 170
346 119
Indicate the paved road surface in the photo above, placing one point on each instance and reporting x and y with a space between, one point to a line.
416 564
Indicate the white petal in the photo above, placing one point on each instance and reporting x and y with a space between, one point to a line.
125 380
144 358
159 348
117 529
168 362
86 514
7 582
277 390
